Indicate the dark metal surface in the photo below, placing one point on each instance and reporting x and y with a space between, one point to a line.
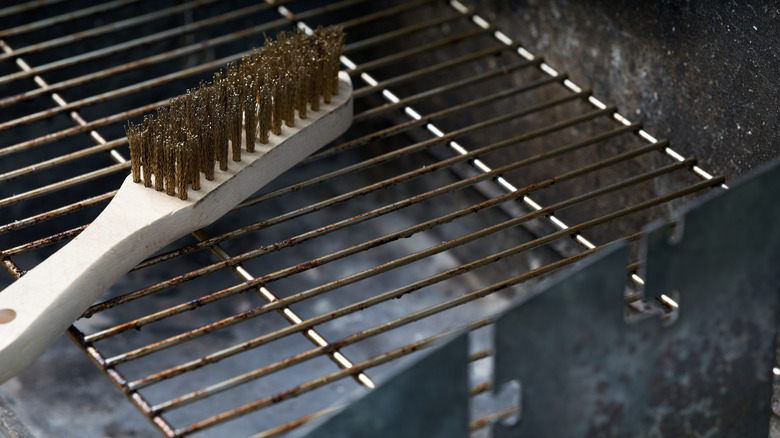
705 372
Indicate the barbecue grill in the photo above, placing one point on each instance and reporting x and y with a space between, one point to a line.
473 169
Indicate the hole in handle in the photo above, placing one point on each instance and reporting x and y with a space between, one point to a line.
7 315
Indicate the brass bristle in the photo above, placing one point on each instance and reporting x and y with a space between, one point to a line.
157 156
234 116
160 136
133 133
250 113
263 113
146 153
315 87
252 98
288 113
193 169
169 155
302 88
277 90
181 160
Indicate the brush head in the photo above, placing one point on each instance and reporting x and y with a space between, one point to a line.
203 128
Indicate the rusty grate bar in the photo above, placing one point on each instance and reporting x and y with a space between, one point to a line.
96 31
412 148
46 22
23 7
32 220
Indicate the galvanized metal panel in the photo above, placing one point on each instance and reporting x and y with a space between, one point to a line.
585 372
429 398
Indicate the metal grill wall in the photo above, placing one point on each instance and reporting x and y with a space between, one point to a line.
472 169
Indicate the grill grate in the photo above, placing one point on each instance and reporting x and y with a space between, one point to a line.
472 169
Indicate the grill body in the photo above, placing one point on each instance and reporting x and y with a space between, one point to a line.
474 168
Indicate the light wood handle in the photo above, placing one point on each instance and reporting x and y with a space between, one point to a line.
40 305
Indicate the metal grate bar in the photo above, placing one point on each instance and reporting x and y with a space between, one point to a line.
381 14
428 71
403 127
260 310
490 74
64 18
99 53
40 243
23 7
395 57
444 189
474 425
96 31
379 39
208 22
62 159
90 176
239 380
51 214
337 375
11 267
144 62
74 115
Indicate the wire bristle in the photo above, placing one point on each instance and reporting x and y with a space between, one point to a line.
195 131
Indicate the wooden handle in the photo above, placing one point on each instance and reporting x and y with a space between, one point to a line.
38 307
